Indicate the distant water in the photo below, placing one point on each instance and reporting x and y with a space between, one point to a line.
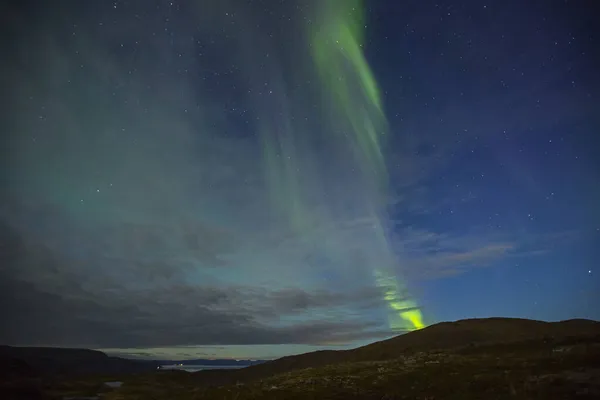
196 368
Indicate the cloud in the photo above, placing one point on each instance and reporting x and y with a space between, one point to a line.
428 255
454 262
152 320
58 308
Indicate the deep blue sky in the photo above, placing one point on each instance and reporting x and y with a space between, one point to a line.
504 98
184 179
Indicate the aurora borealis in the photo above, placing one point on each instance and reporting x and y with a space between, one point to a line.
186 179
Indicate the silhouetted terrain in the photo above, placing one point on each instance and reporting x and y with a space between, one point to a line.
42 361
467 335
494 358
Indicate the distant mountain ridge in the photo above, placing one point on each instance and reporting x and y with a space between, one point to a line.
67 361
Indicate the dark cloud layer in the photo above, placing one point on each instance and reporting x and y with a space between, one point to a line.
50 307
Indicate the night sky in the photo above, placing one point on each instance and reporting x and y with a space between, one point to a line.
245 178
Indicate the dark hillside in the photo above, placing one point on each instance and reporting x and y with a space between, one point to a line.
61 361
443 336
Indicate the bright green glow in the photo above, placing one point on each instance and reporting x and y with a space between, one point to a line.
406 308
337 51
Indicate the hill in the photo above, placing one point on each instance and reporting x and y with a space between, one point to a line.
464 334
475 332
41 361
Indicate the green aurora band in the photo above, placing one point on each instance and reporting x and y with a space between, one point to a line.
352 125
337 42
349 85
